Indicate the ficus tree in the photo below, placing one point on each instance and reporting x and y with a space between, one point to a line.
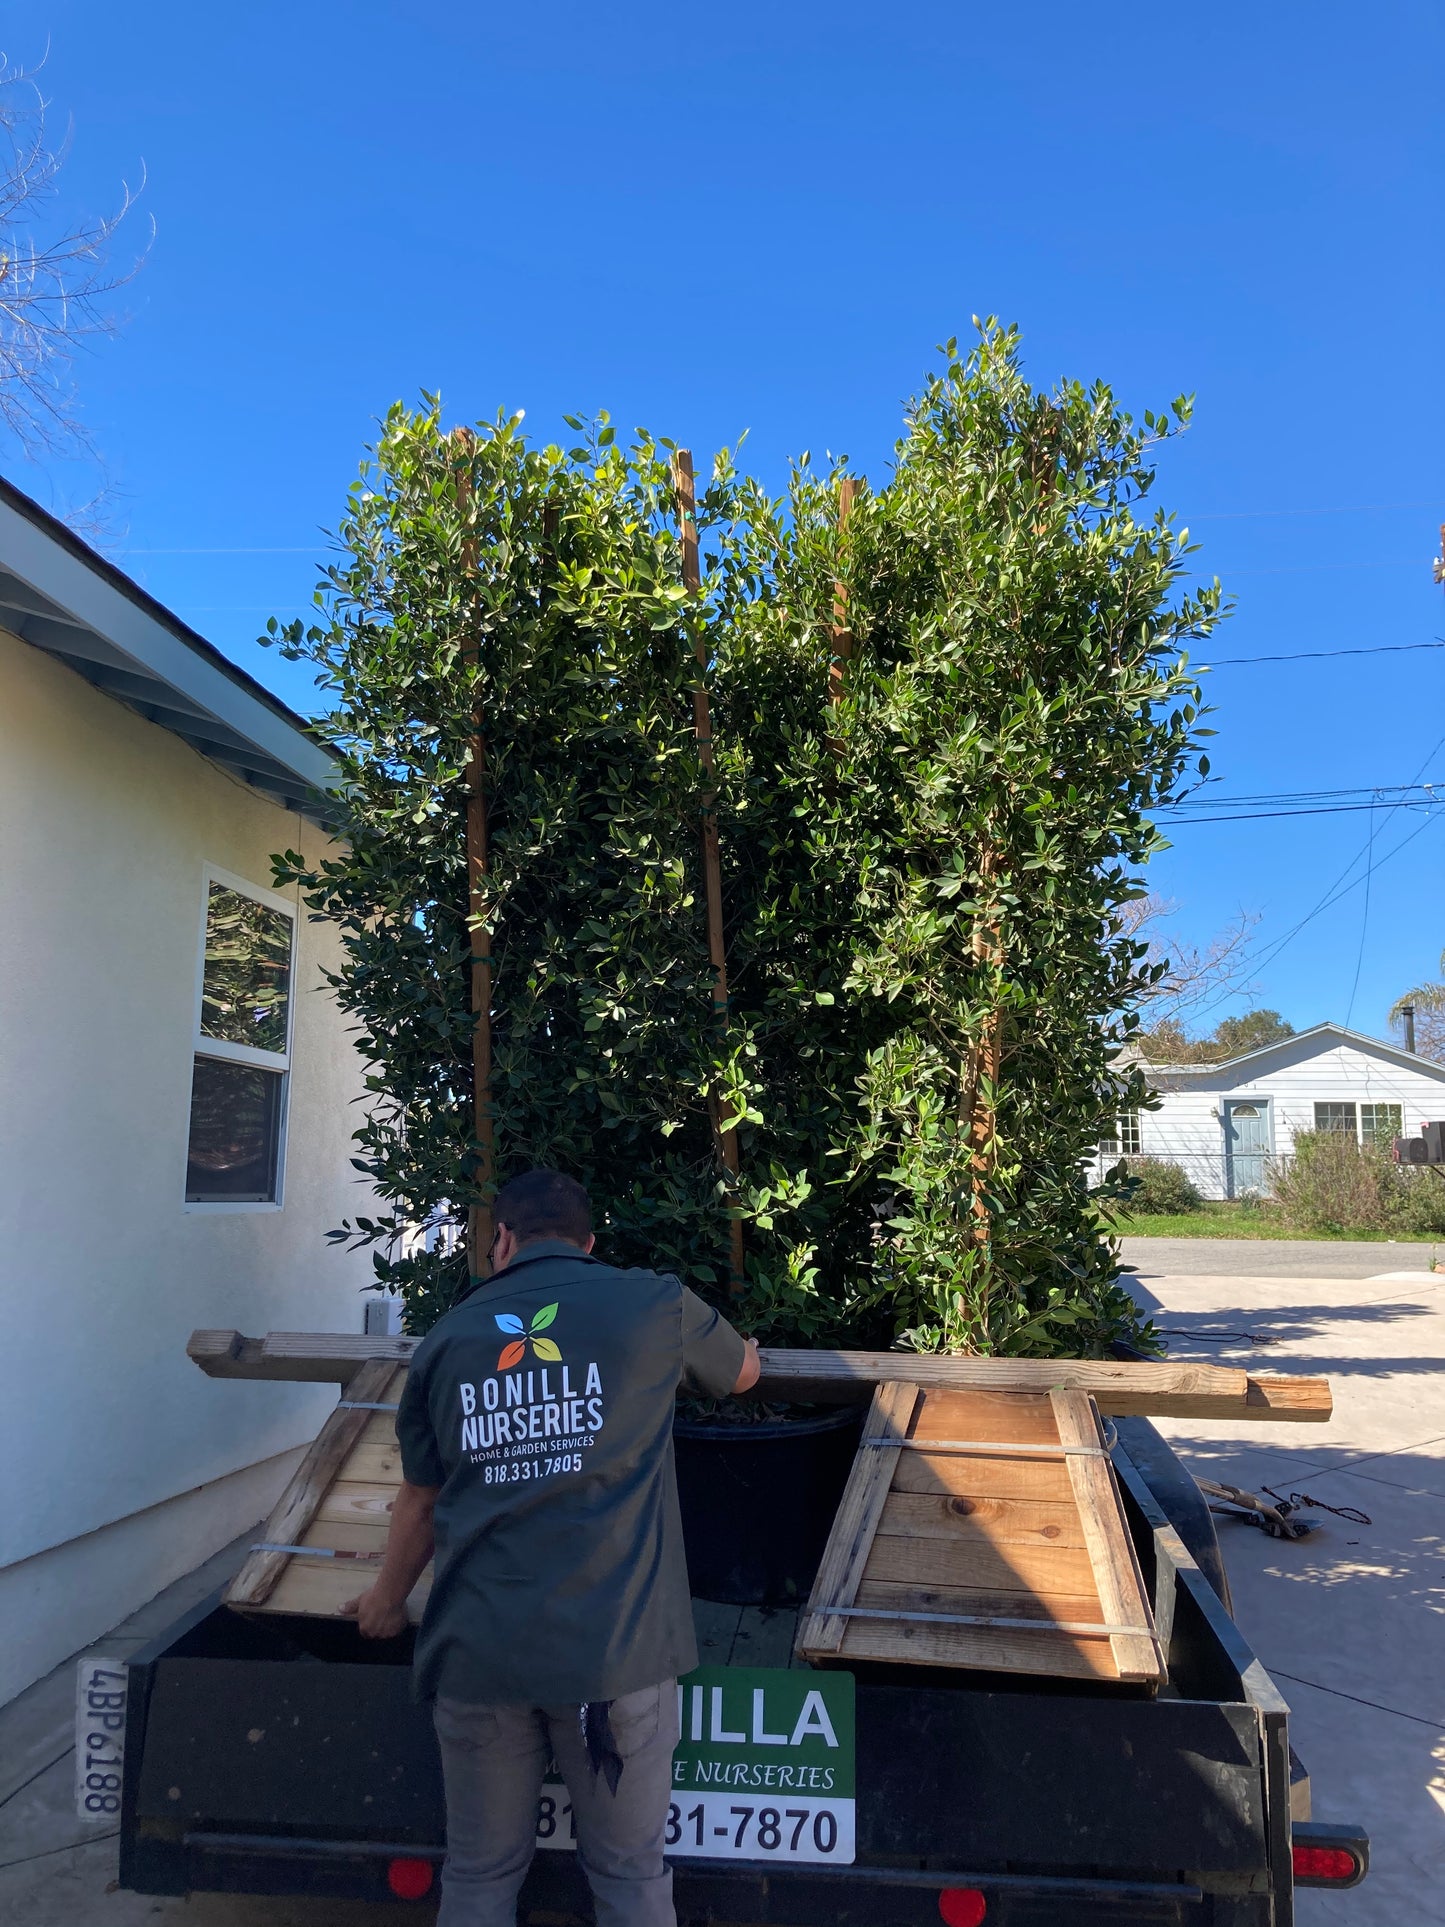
941 725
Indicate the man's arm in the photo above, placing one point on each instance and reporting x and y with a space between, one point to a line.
381 1612
752 1369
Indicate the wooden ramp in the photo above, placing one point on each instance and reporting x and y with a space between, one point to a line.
324 1540
983 1529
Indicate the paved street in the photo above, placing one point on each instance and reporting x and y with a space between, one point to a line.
1351 1621
1275 1257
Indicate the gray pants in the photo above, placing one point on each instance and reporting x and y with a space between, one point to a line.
493 1759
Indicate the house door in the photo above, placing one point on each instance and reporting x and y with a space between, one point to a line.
1246 1146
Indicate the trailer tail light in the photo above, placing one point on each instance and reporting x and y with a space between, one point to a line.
409 1879
962 1907
1326 1867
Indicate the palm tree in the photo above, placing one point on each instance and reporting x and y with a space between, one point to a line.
1427 1004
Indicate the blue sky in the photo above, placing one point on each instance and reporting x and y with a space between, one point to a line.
764 219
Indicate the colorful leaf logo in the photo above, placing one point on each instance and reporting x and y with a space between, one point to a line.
513 1354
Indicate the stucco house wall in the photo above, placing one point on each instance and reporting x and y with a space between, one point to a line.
125 1466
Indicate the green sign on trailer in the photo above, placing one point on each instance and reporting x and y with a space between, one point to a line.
763 1770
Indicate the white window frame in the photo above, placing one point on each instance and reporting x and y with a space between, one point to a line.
221 1049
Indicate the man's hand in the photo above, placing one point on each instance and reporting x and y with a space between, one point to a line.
377 1613
381 1612
752 1369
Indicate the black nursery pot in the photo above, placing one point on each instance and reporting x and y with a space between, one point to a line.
758 1502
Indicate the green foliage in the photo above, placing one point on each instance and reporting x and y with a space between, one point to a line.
1333 1183
937 859
1160 1188
1168 1043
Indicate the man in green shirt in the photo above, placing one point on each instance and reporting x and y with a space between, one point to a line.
536 1447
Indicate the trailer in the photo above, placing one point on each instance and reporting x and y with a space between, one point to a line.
283 1755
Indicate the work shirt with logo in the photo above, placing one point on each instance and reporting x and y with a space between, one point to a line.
542 1406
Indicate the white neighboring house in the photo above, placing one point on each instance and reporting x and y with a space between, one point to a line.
1224 1123
177 1098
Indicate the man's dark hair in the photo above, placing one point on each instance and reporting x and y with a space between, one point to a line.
544 1204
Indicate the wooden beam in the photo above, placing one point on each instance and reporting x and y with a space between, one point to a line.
297 1507
851 1539
1120 1584
313 1358
1122 1388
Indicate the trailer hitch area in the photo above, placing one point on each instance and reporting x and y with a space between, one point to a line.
1327 1854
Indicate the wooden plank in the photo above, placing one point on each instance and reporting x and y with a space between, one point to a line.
850 1542
296 1509
350 1502
1120 1387
1069 1607
932 1562
375 1465
1117 1577
961 1518
1043 1480
1009 1417
319 1588
348 1535
978 1647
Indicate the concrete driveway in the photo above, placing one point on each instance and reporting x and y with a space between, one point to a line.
1351 1620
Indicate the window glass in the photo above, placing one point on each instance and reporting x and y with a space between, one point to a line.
246 982
1129 1137
235 1133
1336 1117
1380 1122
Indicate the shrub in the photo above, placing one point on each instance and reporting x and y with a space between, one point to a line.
1160 1189
1333 1183
927 829
1418 1202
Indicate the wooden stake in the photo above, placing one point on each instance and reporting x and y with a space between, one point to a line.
984 1058
480 1229
726 1142
841 633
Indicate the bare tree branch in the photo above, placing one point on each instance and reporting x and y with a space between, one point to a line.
56 287
1196 974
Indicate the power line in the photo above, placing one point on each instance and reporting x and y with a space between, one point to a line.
1317 809
1320 655
1361 508
1356 790
1339 888
1364 926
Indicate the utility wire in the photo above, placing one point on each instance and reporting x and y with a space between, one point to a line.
1315 809
1364 924
1320 655
1338 889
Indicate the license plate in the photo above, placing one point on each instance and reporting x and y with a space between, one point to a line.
764 1770
100 1697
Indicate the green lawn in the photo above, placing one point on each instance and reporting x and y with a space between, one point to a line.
1252 1221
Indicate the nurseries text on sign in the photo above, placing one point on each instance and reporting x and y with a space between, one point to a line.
764 1769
